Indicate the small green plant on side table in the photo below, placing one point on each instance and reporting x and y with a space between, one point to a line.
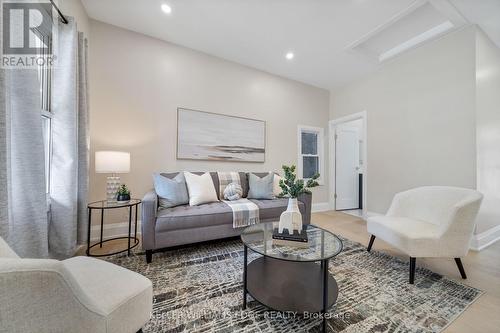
123 193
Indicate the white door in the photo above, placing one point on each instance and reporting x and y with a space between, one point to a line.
347 166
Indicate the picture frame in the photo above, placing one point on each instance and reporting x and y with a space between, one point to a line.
212 136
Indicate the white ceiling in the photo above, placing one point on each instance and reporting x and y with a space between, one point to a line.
258 33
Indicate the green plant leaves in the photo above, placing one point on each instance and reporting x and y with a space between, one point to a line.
123 190
293 187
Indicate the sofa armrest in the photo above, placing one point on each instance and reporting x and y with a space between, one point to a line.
306 199
148 219
39 295
402 203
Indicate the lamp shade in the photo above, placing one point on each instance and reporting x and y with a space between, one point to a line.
112 162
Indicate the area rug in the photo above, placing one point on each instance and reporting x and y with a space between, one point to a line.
199 289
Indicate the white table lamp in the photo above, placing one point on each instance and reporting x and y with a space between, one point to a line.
112 162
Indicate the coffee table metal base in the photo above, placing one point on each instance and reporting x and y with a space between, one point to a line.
289 285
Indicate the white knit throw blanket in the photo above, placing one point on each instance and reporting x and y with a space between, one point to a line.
245 212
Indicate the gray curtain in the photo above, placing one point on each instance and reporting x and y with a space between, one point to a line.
4 195
69 168
23 217
83 139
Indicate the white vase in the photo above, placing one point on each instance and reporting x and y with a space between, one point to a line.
291 219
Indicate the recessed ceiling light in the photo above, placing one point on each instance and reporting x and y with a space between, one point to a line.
166 8
289 55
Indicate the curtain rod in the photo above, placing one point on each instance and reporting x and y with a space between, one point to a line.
63 18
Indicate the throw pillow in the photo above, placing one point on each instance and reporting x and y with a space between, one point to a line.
276 185
233 191
260 188
171 192
201 189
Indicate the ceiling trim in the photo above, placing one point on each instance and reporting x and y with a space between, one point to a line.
383 26
455 21
450 11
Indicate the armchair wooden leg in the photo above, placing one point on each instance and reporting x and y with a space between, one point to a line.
149 256
460 268
413 262
372 239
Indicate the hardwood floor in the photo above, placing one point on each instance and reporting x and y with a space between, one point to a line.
482 268
109 247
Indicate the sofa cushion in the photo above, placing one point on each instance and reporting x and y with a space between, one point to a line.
215 179
414 237
200 188
272 209
215 213
244 183
186 217
260 187
171 192
276 185
123 296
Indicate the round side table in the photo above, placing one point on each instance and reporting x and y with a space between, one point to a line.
105 205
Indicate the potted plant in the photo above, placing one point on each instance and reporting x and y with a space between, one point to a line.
123 193
291 187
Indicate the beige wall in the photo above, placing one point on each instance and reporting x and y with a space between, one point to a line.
75 9
488 130
421 119
137 83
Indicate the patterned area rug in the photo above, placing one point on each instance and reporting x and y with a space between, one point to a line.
199 289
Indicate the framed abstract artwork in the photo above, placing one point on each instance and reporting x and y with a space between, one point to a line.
216 137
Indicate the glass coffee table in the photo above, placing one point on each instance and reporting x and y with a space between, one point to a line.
290 279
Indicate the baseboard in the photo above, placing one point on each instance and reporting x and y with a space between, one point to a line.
111 230
320 207
483 240
371 214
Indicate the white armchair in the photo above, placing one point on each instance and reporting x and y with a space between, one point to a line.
76 295
430 221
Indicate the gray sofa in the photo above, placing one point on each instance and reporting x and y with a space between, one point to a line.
163 228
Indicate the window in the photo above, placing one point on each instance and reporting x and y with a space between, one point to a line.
45 80
310 148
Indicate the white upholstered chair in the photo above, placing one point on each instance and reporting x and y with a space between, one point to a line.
75 295
430 221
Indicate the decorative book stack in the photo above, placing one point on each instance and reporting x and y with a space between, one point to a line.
295 239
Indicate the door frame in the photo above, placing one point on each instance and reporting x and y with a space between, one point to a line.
332 124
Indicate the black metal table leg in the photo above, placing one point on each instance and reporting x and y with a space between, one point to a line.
102 225
245 254
135 232
129 229
89 212
131 238
412 269
325 291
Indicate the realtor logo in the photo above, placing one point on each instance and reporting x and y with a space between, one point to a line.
27 33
